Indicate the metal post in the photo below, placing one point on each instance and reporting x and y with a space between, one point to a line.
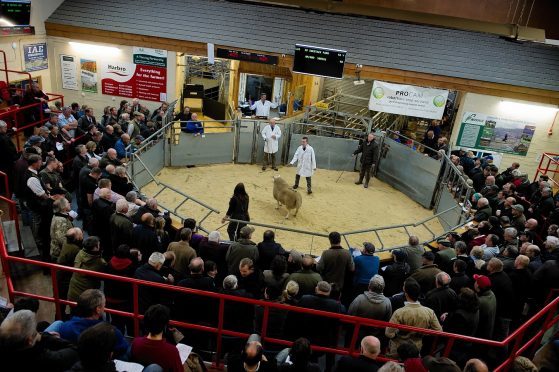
55 293
354 336
219 335
136 308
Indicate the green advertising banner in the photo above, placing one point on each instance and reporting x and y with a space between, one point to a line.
484 132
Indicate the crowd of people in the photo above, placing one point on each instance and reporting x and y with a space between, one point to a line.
484 282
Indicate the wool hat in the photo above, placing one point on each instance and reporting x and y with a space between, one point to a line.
246 231
369 247
518 207
429 255
36 139
482 281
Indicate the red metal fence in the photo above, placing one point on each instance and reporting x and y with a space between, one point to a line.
549 165
516 342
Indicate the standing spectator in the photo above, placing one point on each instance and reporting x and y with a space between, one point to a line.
335 263
445 255
487 307
61 223
73 245
366 362
459 279
414 251
153 348
183 252
277 276
101 210
211 249
8 155
534 254
441 299
88 258
120 226
268 249
521 278
144 237
366 266
150 272
426 274
306 278
412 314
465 319
395 273
372 304
243 248
501 285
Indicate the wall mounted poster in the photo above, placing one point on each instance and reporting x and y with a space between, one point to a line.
485 132
89 75
408 100
68 72
35 57
146 78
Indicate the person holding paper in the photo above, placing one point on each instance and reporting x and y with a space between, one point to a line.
263 106
271 135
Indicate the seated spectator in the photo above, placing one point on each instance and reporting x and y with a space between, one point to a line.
88 258
23 349
297 358
306 278
111 157
193 126
294 261
395 273
412 314
483 211
153 348
366 266
251 358
250 278
133 203
409 354
475 365
440 364
150 271
276 277
441 299
426 274
89 312
290 295
268 249
366 362
391 367
490 248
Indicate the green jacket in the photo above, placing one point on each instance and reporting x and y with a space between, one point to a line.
79 282
307 280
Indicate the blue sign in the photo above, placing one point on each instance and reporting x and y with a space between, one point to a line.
35 56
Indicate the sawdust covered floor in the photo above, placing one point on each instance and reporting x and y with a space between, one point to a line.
341 206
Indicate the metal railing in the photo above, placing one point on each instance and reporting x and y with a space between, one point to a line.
217 327
547 162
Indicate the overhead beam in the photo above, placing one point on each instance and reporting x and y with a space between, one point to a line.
286 61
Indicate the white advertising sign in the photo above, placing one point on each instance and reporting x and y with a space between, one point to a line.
69 72
408 100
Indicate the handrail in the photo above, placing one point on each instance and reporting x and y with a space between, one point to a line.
411 139
357 322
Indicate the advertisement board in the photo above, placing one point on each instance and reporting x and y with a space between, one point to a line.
408 100
486 132
35 57
69 72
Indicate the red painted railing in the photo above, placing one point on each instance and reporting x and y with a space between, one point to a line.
12 208
549 165
519 345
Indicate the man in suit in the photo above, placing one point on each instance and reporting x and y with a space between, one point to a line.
366 361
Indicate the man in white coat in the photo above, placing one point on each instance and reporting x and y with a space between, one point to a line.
306 163
262 106
271 134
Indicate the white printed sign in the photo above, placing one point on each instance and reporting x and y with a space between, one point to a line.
408 100
69 72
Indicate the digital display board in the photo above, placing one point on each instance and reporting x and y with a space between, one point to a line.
15 13
240 55
319 61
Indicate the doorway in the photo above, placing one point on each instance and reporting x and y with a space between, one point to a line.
256 85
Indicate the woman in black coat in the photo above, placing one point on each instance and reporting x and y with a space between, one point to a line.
238 210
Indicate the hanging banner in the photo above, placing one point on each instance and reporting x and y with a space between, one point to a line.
69 72
408 100
89 75
35 57
145 79
485 132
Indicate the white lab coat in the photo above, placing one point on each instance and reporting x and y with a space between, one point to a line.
263 109
271 145
306 161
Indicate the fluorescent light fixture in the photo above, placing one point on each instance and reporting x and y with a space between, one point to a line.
5 22
93 49
526 109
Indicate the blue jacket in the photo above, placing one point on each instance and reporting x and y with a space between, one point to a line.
120 148
72 329
365 268
193 127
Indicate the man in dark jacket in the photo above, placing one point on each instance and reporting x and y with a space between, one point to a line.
306 278
366 361
102 210
120 225
8 154
370 152
426 274
335 263
521 278
23 349
212 249
250 278
441 299
268 249
144 237
395 273
150 272
505 295
242 248
483 211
